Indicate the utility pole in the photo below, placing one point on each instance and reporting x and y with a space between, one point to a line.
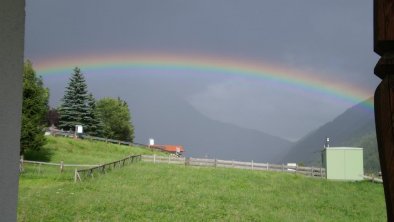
384 96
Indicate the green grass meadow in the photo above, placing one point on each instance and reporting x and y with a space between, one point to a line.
84 151
163 192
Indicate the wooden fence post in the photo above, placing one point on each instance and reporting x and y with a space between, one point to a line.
283 167
61 166
39 168
252 164
187 161
267 166
312 171
321 172
296 168
76 176
154 158
216 163
232 163
169 158
21 164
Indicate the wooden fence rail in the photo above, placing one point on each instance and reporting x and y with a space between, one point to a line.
307 171
61 164
86 173
373 179
119 142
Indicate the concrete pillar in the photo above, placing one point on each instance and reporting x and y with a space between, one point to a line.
12 25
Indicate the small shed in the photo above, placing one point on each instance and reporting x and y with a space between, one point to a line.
343 163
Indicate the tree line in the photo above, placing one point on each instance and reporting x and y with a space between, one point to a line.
106 117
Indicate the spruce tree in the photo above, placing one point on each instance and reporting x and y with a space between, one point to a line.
95 126
74 108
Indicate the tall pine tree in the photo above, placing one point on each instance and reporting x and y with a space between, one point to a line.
74 108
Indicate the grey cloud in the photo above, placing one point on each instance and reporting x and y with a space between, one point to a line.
267 108
329 38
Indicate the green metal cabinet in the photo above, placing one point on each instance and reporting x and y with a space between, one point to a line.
343 163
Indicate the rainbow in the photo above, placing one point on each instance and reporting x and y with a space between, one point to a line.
208 65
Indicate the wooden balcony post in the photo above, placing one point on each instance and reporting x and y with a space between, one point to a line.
384 96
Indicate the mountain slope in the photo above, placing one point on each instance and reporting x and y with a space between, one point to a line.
355 127
202 136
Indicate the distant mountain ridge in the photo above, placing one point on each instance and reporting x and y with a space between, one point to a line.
158 112
355 127
202 136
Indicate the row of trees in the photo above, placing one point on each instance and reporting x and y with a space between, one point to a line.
106 117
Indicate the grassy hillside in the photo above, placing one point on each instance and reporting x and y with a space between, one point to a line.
83 151
161 192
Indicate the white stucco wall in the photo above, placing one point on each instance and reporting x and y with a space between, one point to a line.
12 25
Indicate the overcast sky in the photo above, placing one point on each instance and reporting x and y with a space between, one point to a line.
332 39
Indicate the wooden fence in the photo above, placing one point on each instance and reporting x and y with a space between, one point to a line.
307 171
119 142
61 165
86 173
373 179
81 173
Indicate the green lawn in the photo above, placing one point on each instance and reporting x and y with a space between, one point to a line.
162 192
84 151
